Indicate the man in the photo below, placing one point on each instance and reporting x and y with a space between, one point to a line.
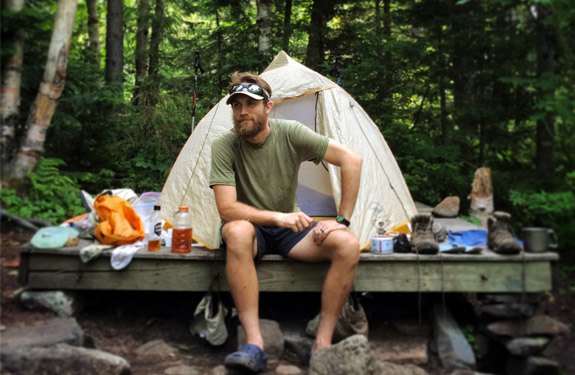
254 179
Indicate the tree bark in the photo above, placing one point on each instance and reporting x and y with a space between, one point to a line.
93 32
287 25
545 156
321 12
49 92
114 73
10 92
141 48
153 69
264 26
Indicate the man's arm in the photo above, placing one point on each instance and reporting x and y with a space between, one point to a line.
230 209
350 166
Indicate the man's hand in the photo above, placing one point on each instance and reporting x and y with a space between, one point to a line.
296 221
324 228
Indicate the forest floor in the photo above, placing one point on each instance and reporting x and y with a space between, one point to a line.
120 322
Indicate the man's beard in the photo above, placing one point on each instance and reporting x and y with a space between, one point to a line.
249 131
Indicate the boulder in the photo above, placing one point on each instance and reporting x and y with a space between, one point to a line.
449 207
536 325
350 356
43 333
273 340
453 349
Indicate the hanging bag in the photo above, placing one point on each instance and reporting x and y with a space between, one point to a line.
209 321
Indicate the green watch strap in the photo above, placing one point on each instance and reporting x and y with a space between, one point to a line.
342 220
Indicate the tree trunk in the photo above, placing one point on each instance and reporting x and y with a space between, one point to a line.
49 92
384 74
321 12
287 25
545 158
10 93
115 42
141 48
93 32
153 91
265 28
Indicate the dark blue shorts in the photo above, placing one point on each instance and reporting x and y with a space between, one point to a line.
276 240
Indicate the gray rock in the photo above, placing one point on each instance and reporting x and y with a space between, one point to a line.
351 356
453 349
387 368
219 370
159 349
511 298
288 370
532 366
43 333
182 370
297 345
273 340
449 207
401 349
526 346
509 310
63 304
61 359
536 325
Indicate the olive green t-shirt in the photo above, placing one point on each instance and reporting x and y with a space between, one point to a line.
265 175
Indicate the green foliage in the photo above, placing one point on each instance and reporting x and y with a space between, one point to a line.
555 210
51 195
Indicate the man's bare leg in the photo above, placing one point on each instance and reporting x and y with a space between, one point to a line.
341 248
242 277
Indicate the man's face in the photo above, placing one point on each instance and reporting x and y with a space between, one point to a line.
250 116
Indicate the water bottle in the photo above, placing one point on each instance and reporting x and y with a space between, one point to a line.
155 230
182 232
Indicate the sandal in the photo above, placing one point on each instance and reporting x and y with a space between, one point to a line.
249 357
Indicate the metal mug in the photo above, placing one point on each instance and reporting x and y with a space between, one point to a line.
536 240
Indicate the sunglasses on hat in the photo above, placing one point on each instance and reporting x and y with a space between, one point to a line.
249 88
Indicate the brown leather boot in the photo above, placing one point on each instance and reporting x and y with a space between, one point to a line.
500 237
423 239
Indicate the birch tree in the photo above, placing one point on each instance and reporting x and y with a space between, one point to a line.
49 92
10 93
264 24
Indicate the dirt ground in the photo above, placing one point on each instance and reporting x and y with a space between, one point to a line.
120 322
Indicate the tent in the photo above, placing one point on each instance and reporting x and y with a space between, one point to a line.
300 94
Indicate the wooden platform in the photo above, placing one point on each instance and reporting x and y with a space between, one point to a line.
164 271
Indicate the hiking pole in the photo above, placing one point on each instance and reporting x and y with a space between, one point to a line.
197 67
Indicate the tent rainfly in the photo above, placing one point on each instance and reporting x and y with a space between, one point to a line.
299 94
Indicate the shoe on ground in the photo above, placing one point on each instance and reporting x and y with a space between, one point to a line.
499 237
249 358
423 240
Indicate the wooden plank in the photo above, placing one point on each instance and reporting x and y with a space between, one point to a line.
65 272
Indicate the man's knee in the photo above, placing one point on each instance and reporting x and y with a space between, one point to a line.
239 235
346 247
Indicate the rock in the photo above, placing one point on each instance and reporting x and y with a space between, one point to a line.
350 356
532 366
453 349
536 325
511 298
297 345
43 333
401 349
509 310
159 349
61 359
219 370
287 370
387 368
449 207
182 370
63 304
273 340
526 346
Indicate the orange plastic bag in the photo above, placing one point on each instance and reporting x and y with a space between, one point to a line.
119 223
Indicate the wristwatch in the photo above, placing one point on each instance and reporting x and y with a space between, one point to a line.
342 220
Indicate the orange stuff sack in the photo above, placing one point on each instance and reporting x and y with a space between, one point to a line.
118 222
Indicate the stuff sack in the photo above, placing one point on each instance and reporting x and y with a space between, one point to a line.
118 222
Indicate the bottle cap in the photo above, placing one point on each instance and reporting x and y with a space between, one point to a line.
183 208
157 208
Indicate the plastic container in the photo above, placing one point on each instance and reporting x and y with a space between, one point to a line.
155 230
182 231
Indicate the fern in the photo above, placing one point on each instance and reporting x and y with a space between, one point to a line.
51 196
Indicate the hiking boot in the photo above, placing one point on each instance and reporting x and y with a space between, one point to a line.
500 238
423 239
